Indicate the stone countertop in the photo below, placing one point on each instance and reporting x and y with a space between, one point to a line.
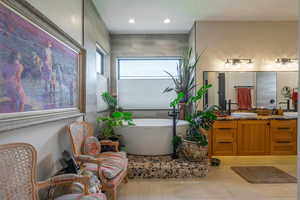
260 117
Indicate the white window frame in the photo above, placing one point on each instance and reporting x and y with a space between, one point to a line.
118 75
103 54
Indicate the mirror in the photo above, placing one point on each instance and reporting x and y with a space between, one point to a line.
251 90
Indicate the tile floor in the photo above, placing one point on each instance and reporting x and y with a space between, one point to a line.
220 184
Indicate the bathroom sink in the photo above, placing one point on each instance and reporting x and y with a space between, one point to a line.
243 114
290 114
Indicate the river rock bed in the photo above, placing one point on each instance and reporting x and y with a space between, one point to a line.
164 167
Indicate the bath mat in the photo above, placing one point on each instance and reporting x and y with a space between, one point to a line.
264 175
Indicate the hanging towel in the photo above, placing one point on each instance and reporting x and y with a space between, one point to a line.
294 96
244 98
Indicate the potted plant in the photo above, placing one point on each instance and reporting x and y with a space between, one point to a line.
109 123
194 146
116 118
184 82
111 102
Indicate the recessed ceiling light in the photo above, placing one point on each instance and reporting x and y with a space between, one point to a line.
167 21
131 21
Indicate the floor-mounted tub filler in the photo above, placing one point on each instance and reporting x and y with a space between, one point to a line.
150 136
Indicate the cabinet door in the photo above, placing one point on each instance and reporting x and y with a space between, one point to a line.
253 137
224 138
283 137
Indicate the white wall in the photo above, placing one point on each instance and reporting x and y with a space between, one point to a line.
67 14
50 138
263 42
95 32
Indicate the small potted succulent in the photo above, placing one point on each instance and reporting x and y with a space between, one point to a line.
194 146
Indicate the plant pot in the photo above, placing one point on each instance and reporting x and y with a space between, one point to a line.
114 138
107 148
182 108
192 151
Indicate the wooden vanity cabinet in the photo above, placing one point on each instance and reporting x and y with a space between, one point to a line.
253 137
283 137
224 138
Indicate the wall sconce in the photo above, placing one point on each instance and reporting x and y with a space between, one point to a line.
285 61
238 61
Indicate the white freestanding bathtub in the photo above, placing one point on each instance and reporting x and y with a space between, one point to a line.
150 136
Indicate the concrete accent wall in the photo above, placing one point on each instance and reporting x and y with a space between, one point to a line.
149 45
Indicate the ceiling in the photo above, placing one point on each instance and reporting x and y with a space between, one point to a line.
149 14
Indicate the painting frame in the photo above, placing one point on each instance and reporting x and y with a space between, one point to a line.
10 121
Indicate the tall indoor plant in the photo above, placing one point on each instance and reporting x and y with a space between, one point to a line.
184 82
194 145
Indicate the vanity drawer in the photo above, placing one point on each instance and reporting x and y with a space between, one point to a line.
283 137
225 124
224 148
224 133
283 124
285 134
283 147
224 138
283 131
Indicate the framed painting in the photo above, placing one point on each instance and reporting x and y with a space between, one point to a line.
41 68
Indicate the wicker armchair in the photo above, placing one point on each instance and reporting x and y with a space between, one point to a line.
18 176
101 164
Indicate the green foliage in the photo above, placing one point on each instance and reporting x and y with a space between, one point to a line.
199 120
117 119
110 101
178 99
185 82
199 94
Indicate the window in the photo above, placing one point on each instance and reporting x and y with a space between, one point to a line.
147 68
99 61
102 80
141 82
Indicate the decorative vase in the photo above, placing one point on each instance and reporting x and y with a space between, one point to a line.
192 151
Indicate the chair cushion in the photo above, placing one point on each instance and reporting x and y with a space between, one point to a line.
97 196
91 146
113 154
110 168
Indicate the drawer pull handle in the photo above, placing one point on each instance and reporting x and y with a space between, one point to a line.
283 128
283 142
225 142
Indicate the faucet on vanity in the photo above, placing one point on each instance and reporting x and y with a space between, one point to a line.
229 106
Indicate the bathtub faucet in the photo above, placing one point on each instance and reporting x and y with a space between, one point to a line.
174 114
